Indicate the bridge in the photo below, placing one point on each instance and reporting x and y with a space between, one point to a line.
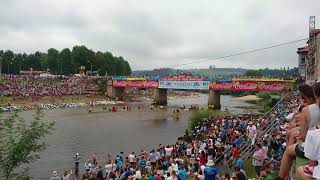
116 86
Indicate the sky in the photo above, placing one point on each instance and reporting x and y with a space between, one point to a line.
162 33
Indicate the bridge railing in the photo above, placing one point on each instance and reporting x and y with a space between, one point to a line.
246 149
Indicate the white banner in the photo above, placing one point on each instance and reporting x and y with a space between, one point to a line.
184 84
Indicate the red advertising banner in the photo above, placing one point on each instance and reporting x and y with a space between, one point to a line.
135 84
249 86
220 85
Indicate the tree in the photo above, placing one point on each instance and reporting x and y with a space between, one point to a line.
65 58
82 56
69 60
253 73
7 60
21 142
52 62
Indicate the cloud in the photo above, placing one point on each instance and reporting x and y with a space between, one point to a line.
159 33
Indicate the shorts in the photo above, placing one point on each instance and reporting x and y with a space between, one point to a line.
299 150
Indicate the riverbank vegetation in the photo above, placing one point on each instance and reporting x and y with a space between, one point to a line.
197 117
21 142
266 100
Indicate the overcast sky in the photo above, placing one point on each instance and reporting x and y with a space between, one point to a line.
154 34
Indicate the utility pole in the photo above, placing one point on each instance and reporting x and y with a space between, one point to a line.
0 67
20 65
60 67
91 67
312 62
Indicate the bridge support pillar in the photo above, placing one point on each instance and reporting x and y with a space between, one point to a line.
113 92
214 99
160 96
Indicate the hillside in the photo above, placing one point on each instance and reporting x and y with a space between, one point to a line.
195 72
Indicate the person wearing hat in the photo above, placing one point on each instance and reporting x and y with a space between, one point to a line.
210 171
148 167
55 176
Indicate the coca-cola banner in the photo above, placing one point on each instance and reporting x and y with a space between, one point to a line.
249 86
135 84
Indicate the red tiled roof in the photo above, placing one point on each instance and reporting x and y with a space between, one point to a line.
302 49
316 31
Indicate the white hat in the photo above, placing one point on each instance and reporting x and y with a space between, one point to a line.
77 154
290 116
210 162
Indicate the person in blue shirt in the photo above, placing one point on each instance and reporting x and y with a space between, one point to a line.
239 163
142 163
151 177
182 173
210 171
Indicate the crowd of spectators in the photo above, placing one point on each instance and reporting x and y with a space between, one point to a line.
302 136
27 86
213 149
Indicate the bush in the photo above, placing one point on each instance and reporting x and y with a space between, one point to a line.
197 116
267 104
264 95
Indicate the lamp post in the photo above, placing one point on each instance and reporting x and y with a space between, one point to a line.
91 67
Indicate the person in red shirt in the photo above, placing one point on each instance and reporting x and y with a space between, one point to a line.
235 151
202 157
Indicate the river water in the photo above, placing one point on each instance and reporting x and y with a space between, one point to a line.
101 132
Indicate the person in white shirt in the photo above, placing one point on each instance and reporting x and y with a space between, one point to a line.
137 175
175 166
252 132
88 166
132 159
168 150
189 151
110 167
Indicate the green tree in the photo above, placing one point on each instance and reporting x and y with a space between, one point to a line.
65 57
253 73
53 58
69 60
82 56
8 60
21 142
44 61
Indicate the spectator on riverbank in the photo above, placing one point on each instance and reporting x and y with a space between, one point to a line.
55 176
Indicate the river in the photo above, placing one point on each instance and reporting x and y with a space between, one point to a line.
100 132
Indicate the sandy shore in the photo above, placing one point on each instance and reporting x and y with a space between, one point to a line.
248 98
